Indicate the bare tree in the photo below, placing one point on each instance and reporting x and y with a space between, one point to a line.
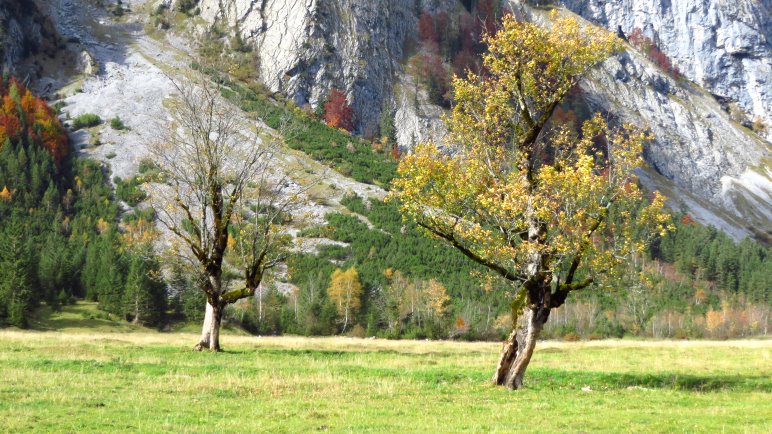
222 196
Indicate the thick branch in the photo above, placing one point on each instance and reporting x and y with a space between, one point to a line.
568 287
195 248
503 272
237 294
535 128
186 208
254 273
559 297
578 257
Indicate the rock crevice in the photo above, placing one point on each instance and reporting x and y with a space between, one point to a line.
307 47
724 46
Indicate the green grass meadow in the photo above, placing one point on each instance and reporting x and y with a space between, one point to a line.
88 377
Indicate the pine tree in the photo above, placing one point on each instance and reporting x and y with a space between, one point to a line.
110 286
186 294
53 268
109 281
387 123
144 297
17 297
90 271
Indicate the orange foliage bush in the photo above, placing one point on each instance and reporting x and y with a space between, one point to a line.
23 116
337 112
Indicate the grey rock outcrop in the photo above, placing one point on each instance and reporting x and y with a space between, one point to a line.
20 31
307 47
697 146
724 46
415 118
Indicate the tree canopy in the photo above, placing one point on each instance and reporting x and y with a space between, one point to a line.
548 209
222 197
345 291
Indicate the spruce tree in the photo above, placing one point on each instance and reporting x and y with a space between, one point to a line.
109 281
17 296
90 270
144 297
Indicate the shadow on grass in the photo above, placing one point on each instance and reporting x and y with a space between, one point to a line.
537 378
352 353
83 315
86 323
553 378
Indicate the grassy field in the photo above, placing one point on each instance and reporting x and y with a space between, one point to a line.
97 379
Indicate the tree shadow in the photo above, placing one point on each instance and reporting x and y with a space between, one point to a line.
354 351
546 378
82 315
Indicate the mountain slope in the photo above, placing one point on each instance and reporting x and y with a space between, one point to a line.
710 165
703 153
307 47
725 47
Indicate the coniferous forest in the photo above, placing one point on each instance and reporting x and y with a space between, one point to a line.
59 241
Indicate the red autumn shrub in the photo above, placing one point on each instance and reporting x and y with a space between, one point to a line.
647 46
426 30
337 112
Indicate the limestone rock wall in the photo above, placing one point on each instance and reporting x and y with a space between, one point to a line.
724 46
307 47
20 31
697 146
711 164
415 118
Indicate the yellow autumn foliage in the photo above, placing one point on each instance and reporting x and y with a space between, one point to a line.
5 195
530 200
437 298
345 291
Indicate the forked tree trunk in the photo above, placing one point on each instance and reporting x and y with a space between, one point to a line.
518 348
210 332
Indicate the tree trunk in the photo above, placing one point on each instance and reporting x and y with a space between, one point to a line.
260 304
136 311
345 321
518 348
210 332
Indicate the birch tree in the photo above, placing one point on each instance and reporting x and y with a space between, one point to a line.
346 291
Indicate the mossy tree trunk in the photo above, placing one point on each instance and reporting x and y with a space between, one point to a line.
517 350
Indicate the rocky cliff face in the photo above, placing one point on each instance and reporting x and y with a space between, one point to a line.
30 45
307 47
416 119
710 163
701 158
20 31
715 166
724 46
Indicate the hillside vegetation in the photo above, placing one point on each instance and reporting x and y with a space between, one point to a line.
714 288
59 238
673 291
72 233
